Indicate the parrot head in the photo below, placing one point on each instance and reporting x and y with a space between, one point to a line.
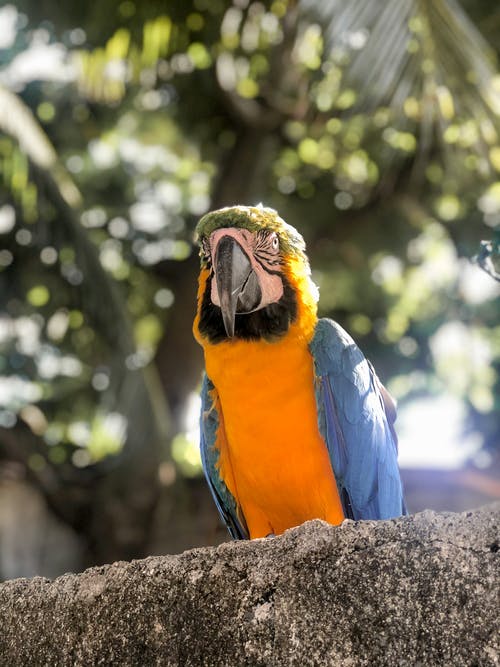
255 277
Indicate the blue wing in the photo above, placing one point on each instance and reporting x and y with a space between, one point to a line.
354 416
210 423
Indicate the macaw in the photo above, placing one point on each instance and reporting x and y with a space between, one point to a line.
295 424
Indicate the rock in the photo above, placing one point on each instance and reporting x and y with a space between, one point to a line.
419 590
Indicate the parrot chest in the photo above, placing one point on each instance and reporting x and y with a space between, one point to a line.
272 456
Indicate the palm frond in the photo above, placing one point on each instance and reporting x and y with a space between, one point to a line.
380 39
425 61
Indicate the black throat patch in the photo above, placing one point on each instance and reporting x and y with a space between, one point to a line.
269 323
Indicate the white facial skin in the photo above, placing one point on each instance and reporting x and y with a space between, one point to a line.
263 251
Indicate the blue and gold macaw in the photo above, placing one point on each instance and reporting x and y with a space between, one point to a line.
295 423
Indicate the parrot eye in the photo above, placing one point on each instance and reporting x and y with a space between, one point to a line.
275 242
267 248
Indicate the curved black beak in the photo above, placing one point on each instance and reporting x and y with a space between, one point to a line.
237 284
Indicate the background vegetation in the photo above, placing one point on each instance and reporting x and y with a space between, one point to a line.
372 126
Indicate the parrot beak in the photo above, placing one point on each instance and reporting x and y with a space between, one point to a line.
237 285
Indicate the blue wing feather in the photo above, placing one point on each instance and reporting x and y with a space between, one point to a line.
224 500
353 421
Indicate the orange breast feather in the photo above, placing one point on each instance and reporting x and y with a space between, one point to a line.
272 456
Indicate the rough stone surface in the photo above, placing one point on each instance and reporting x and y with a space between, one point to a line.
416 591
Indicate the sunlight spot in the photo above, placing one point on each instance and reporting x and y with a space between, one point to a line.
411 107
356 166
199 204
58 325
8 20
346 99
38 296
46 111
81 458
169 194
408 346
16 392
110 255
79 433
6 258
77 36
107 435
357 39
8 418
286 184
445 102
35 419
148 217
489 202
448 207
7 218
475 285
100 381
164 298
388 269
343 200
94 217
186 447
51 365
308 150
24 236
430 434
102 153
360 324
118 227
27 330
74 164
40 61
166 473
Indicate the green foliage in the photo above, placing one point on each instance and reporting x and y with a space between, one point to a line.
373 128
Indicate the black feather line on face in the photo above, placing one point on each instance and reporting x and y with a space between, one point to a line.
269 323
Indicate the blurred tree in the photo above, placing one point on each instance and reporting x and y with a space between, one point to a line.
371 126
94 399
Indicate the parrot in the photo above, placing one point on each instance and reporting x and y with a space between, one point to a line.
295 424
